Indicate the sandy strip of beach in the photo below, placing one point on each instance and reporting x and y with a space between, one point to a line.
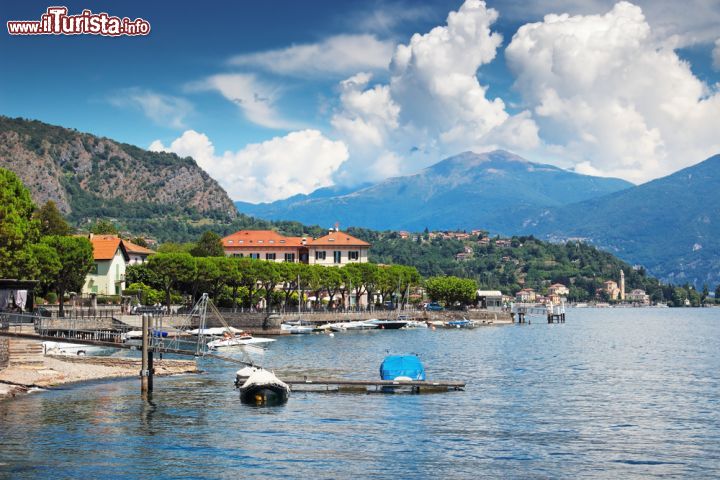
59 370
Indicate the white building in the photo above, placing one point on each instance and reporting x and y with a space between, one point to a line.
108 274
334 249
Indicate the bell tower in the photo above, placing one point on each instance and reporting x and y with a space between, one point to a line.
622 285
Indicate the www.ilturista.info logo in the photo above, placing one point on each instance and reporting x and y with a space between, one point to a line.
56 21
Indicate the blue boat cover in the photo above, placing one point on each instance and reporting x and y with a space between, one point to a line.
402 366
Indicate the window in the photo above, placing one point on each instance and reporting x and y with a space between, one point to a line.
337 256
255 255
354 255
241 255
320 255
290 257
269 256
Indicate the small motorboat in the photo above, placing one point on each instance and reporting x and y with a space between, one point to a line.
244 373
355 325
388 324
464 323
241 340
76 349
415 324
214 331
298 327
402 367
264 388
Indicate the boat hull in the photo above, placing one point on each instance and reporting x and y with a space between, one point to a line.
264 395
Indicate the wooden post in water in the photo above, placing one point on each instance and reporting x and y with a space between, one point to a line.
145 384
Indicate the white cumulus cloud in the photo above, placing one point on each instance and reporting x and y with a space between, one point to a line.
611 99
164 110
255 99
434 104
299 162
337 55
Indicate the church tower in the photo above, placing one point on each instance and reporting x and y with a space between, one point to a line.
622 285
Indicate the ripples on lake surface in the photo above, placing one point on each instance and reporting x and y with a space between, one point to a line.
612 393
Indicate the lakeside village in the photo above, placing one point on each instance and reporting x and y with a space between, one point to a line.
132 277
64 295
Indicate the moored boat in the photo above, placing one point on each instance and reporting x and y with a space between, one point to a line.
76 349
463 323
388 324
402 367
264 388
298 327
237 341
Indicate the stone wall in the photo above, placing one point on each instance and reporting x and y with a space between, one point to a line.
4 352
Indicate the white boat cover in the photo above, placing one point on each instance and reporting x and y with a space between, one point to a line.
264 377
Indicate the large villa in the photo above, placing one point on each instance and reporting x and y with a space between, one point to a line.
334 249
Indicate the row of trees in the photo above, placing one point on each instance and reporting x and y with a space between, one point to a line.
243 281
35 243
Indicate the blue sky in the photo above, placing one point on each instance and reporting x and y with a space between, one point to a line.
279 98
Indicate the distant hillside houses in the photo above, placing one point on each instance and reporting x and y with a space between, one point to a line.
337 248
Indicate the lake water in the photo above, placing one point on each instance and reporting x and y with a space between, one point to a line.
612 393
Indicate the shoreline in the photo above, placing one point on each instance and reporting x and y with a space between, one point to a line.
56 370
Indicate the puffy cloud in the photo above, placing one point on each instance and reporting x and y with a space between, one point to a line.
299 162
434 104
611 99
337 55
164 110
255 99
681 23
716 55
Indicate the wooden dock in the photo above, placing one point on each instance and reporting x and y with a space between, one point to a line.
363 386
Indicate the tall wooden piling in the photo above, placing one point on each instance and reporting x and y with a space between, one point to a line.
145 378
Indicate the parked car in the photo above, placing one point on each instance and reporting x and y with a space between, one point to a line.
434 307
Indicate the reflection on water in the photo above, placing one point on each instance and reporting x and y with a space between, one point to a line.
613 393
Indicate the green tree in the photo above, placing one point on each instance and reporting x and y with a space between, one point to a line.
451 290
104 227
46 266
141 273
75 255
18 230
268 275
332 280
51 221
209 245
170 269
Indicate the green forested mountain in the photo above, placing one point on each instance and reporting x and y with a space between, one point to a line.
523 262
670 225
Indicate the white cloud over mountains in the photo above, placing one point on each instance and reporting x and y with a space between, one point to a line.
604 93
255 99
433 104
163 110
336 55
299 162
609 98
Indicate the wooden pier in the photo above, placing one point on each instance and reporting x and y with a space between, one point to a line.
365 386
553 313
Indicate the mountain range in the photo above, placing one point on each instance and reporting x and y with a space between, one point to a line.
669 226
465 191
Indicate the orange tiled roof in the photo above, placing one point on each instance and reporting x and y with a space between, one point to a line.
339 238
260 238
134 248
105 246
